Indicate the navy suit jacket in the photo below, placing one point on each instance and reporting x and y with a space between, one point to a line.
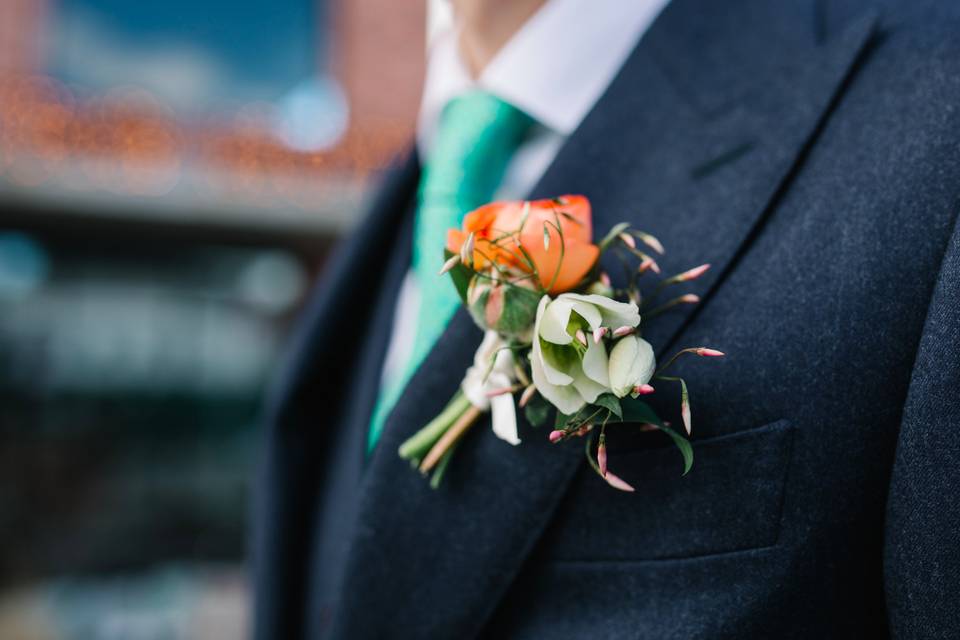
810 151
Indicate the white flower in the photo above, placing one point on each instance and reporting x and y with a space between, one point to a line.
566 375
493 370
631 364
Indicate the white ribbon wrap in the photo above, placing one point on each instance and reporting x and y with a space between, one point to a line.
482 378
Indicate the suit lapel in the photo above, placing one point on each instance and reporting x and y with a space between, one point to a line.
699 135
664 155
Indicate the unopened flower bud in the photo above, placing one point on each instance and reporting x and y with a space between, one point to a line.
581 337
619 332
466 250
631 364
602 459
692 274
710 353
556 435
690 298
648 263
628 240
617 483
598 334
651 242
643 389
449 264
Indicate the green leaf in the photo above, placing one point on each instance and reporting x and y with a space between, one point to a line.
519 310
635 410
611 403
478 310
686 449
612 235
460 275
536 412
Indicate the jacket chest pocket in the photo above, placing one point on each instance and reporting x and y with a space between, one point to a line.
731 500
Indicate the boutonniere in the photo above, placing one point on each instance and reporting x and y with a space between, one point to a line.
557 333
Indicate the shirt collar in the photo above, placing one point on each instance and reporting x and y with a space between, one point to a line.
555 68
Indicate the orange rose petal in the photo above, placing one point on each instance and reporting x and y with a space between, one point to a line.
493 221
576 227
578 259
455 239
480 219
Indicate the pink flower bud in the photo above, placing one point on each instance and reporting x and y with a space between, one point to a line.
581 337
648 263
619 332
556 435
527 395
685 414
690 298
602 459
605 279
693 274
617 483
628 240
646 426
710 353
494 308
643 389
652 242
449 264
598 334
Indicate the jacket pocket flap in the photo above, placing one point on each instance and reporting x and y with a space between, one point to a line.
731 500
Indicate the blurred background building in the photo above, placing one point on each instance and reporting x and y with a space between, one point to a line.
172 176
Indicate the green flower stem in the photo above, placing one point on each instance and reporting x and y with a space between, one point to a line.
441 467
449 438
417 445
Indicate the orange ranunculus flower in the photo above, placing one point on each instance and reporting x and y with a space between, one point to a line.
496 229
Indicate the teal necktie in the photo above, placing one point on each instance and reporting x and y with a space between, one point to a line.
477 136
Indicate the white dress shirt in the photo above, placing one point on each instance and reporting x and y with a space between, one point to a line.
555 68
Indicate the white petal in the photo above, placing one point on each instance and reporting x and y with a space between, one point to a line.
503 416
551 373
646 362
475 383
614 314
622 357
587 388
588 312
552 327
595 363
504 361
552 370
632 362
564 397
